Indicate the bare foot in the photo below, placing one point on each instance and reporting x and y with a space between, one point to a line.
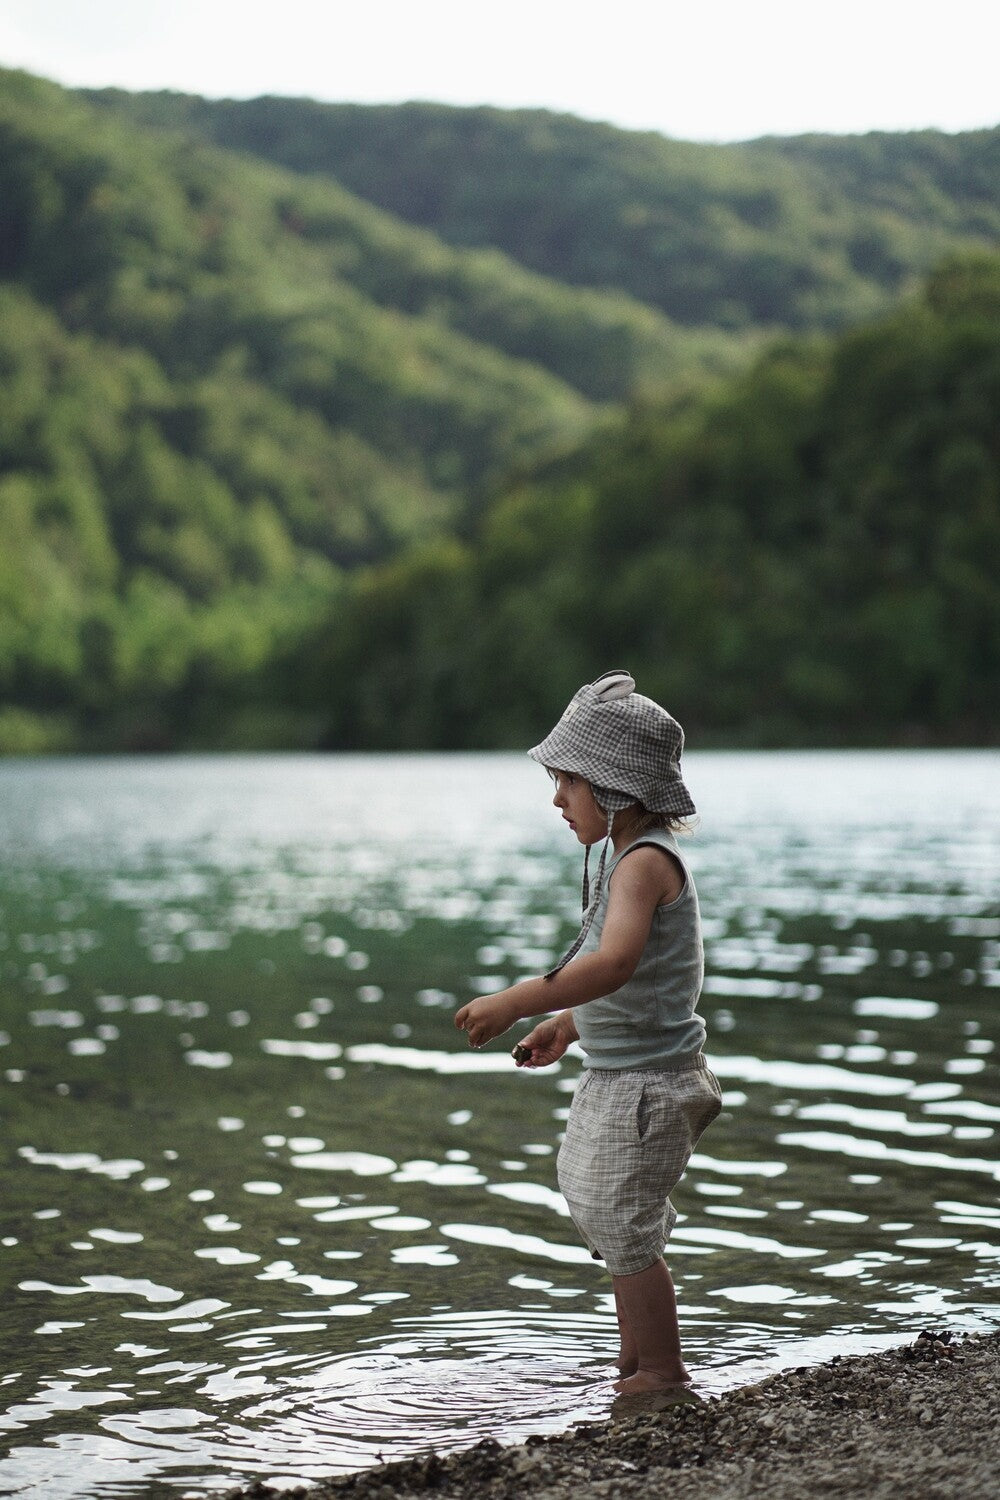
643 1381
624 1408
627 1365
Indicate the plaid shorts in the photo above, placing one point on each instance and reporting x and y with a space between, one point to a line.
628 1138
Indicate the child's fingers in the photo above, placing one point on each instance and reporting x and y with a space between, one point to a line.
477 1032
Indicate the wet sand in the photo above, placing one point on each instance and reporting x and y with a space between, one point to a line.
915 1423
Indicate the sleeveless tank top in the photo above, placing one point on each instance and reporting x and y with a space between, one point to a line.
651 1021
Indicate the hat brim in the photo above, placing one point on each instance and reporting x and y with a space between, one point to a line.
556 753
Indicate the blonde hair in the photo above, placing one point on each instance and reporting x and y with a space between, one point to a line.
639 820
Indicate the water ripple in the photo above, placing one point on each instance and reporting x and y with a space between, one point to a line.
344 1236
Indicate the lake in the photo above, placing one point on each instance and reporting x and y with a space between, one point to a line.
264 1213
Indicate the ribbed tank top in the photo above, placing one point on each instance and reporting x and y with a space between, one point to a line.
650 1022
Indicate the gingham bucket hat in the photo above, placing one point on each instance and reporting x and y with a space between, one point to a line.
629 749
625 745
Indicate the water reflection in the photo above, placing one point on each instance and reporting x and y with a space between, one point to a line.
263 1215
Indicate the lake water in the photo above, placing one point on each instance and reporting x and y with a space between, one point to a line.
263 1213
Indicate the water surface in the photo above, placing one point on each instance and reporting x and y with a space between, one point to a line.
264 1214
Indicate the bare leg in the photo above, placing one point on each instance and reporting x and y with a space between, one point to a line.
648 1305
628 1354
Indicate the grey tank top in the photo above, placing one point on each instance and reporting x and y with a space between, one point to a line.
651 1021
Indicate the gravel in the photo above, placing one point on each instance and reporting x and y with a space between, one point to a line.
918 1422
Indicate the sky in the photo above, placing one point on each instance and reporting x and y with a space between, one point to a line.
703 70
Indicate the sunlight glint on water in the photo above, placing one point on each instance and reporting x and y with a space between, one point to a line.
264 1215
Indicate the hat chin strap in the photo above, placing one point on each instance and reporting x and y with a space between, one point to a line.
589 906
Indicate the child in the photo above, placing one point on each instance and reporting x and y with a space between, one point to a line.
629 998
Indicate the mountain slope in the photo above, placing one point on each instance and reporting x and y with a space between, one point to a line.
805 554
800 234
203 417
277 467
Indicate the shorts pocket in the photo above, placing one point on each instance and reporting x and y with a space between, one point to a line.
643 1115
713 1104
612 1111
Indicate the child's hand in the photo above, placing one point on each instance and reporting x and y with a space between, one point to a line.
547 1042
487 1017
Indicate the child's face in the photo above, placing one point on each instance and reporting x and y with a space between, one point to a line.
575 799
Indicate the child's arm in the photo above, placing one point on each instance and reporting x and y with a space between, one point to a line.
641 882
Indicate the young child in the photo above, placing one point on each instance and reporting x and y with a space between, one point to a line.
627 991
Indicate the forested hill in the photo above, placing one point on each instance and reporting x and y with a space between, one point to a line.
808 554
222 384
814 232
280 467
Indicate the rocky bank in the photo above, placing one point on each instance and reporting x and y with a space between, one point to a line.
921 1422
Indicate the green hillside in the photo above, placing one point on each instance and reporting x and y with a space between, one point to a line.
809 554
279 467
810 233
222 384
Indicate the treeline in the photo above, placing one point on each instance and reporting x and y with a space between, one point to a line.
809 233
808 554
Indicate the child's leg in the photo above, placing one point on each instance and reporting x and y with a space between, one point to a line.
628 1354
647 1304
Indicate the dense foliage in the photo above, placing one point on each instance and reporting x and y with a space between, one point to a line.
277 467
809 233
221 385
808 554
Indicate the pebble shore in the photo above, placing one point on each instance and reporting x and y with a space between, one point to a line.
919 1422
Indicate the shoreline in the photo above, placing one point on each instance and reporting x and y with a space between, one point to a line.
918 1420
